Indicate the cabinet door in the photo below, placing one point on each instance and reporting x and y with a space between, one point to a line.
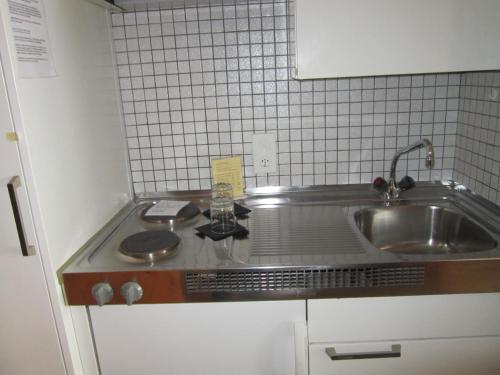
347 38
463 356
29 342
243 338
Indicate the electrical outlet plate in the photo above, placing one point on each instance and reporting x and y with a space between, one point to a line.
264 153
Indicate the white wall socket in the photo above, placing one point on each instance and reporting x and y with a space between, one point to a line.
264 153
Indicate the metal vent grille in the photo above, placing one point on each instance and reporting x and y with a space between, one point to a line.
256 281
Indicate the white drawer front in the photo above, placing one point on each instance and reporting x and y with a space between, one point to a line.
478 356
387 318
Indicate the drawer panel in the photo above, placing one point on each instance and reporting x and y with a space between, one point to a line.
387 318
465 356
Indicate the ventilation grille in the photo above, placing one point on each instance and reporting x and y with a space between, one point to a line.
257 281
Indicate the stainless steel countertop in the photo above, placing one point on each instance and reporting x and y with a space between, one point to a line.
289 227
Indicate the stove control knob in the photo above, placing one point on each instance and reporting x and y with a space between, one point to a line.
103 293
131 292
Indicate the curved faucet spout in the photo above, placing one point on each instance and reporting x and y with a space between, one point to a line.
392 188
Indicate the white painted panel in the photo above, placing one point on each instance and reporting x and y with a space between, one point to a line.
362 319
466 356
72 149
71 128
29 343
345 38
244 338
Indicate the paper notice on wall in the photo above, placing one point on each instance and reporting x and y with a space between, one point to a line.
29 32
229 170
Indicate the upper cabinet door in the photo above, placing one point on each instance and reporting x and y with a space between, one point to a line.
349 38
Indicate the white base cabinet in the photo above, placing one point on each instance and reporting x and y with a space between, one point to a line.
244 338
441 334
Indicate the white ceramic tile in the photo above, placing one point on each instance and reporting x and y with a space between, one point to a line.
184 63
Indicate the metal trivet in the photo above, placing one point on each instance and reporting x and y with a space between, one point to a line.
187 212
150 245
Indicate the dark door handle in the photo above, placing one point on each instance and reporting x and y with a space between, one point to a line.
334 356
13 184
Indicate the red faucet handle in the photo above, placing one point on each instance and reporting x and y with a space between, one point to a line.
379 183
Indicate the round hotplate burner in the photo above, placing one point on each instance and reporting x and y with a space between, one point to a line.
187 212
150 245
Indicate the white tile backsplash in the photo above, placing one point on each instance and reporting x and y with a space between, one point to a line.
477 163
197 83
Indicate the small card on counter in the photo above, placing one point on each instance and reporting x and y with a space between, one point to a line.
166 208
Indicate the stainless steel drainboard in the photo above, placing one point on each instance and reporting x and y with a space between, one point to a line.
327 278
302 230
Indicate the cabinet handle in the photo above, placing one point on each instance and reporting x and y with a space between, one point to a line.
13 184
334 356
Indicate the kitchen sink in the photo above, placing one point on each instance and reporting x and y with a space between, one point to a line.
415 229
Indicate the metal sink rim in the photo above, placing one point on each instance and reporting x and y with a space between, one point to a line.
416 241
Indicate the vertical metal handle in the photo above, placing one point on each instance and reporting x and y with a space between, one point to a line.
13 184
334 356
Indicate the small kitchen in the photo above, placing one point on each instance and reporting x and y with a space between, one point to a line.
311 101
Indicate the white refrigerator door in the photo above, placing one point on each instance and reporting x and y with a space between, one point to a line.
29 342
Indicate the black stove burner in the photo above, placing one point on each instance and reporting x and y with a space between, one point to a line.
150 245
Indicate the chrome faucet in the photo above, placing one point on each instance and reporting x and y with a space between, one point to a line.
393 189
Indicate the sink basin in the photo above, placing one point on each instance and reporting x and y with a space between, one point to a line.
412 229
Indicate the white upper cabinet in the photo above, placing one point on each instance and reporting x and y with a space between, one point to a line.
349 38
